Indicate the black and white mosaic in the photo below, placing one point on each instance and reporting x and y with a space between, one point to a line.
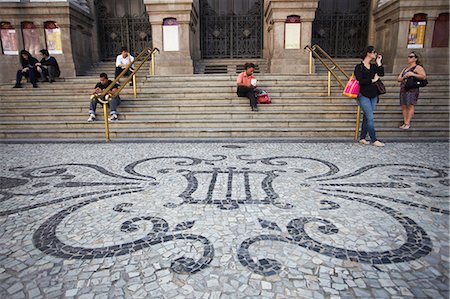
278 218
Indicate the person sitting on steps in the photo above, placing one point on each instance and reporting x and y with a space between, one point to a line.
246 85
48 67
28 69
122 61
113 104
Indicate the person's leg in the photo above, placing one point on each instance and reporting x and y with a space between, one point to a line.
248 92
52 73
363 102
113 104
19 76
93 105
405 114
118 71
410 114
367 105
32 74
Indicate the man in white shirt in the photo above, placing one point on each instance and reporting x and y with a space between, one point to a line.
122 61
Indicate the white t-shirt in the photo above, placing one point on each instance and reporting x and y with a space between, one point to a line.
125 61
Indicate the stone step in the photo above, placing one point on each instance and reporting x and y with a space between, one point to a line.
274 132
238 105
245 113
217 123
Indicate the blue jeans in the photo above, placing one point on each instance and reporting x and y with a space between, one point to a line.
115 101
368 124
31 73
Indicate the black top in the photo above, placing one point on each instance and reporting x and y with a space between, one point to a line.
364 76
51 61
29 62
101 86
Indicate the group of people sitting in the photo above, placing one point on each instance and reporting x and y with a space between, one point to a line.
366 73
47 68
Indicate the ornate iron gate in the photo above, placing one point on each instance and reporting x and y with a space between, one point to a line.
114 33
231 36
342 33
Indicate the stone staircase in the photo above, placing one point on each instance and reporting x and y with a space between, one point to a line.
348 64
205 106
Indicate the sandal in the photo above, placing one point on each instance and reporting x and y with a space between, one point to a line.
405 126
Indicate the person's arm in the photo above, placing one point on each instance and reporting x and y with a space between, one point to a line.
400 78
419 73
118 61
97 89
239 80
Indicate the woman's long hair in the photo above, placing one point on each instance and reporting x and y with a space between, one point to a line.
22 60
368 49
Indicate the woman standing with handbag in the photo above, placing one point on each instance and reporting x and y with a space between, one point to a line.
408 98
367 74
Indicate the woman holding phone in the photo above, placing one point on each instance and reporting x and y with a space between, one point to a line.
367 74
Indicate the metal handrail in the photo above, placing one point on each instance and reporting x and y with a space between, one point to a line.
105 97
331 72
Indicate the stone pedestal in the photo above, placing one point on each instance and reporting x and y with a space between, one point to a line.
185 12
392 20
281 60
76 35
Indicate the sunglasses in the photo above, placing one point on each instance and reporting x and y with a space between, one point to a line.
411 56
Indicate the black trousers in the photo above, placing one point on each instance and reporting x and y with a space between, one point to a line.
119 70
249 92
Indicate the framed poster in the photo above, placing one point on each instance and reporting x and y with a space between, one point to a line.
53 40
171 39
9 41
292 29
416 36
30 37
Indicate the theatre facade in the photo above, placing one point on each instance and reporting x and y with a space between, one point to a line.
188 33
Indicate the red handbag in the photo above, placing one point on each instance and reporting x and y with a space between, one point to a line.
263 97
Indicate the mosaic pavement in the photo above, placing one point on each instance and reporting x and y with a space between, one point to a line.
224 220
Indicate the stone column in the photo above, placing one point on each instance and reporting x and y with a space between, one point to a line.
397 14
172 62
276 11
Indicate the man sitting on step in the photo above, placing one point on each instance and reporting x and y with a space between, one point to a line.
246 85
115 101
122 61
48 67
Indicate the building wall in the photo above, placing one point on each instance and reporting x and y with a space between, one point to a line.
392 21
76 35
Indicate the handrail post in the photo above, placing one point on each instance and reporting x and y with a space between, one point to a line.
310 62
105 114
329 83
134 86
358 120
153 63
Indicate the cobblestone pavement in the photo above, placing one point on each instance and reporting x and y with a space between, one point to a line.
224 220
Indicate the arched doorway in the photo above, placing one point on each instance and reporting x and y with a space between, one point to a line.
341 27
122 23
231 28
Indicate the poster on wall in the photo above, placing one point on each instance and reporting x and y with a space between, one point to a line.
30 37
53 39
416 36
171 35
292 36
9 41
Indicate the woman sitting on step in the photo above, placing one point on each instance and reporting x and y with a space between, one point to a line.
246 85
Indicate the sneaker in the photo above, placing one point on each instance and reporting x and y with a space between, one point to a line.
17 86
378 143
364 141
113 117
91 118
